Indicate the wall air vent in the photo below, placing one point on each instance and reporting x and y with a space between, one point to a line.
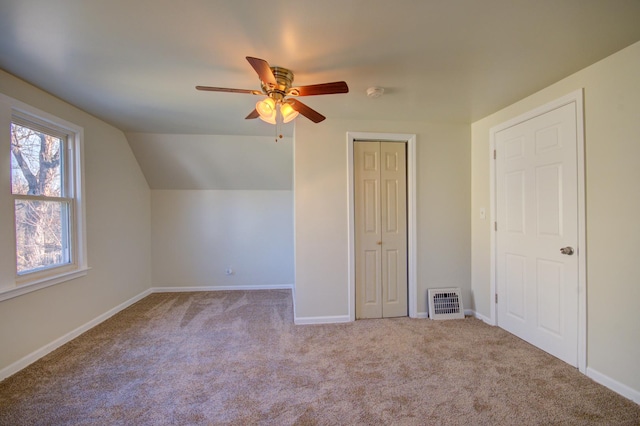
445 303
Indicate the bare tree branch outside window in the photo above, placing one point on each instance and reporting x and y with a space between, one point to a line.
41 212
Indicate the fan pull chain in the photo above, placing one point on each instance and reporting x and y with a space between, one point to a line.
278 124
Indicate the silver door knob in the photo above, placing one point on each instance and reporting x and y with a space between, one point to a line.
567 250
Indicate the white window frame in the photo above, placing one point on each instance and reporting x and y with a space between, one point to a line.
34 280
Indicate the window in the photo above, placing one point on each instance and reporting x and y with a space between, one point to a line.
48 212
43 198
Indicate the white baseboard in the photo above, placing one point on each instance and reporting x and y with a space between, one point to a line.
322 320
422 315
221 288
485 319
50 347
614 385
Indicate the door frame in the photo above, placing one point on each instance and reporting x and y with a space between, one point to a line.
410 141
575 97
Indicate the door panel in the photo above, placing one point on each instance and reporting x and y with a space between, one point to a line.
368 232
537 212
548 194
391 260
549 282
394 232
371 280
514 194
516 278
391 206
371 207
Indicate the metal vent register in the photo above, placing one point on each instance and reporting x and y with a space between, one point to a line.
445 303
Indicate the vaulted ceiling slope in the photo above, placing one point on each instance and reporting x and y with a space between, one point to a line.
214 162
135 63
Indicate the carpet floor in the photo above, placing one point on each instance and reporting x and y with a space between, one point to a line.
236 358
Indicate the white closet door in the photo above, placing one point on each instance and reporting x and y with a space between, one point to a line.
381 229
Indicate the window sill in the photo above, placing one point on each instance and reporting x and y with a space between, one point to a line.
10 293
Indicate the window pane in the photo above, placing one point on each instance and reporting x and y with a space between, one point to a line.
35 162
42 234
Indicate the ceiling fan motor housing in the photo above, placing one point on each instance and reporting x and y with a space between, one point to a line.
284 80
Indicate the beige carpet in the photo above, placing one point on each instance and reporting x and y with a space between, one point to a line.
236 358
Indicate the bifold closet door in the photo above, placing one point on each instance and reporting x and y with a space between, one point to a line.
380 229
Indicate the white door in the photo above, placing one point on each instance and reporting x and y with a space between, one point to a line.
381 229
537 231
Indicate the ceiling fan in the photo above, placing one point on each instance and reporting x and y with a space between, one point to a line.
276 84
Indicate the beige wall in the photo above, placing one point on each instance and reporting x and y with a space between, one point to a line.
612 150
118 236
321 211
197 235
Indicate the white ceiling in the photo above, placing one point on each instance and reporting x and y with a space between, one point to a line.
134 63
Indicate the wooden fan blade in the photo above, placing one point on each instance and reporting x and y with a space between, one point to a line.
311 114
228 90
252 115
321 89
263 69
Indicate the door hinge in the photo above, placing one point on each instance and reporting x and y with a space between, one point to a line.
495 226
496 297
494 154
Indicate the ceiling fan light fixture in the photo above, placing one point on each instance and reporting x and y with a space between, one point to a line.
288 113
267 110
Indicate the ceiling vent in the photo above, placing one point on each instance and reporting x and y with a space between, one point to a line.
445 303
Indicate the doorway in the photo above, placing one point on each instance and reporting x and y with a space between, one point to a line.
409 140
